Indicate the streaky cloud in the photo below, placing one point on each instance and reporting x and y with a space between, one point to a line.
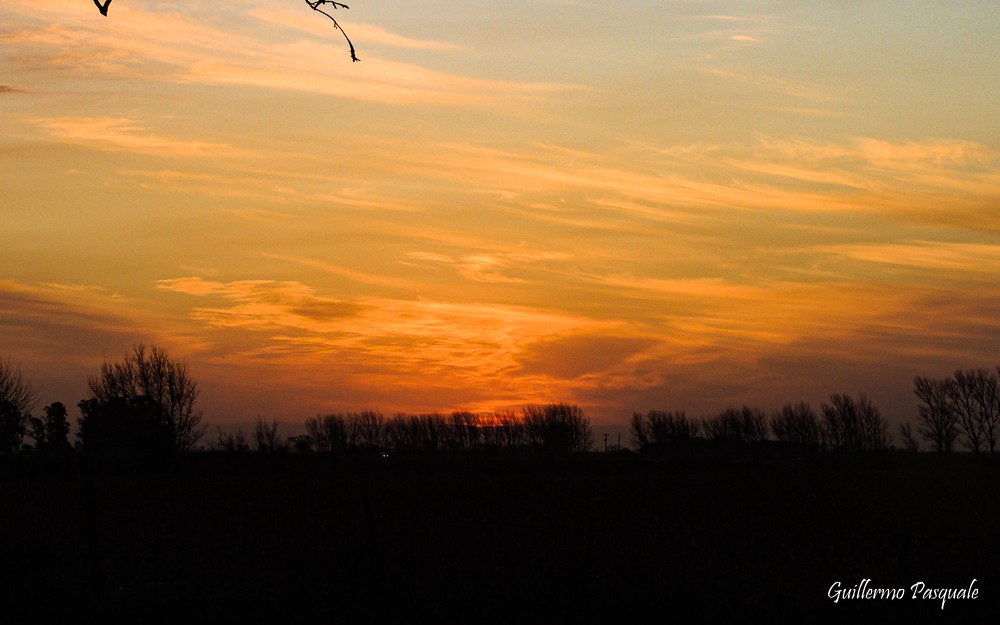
124 134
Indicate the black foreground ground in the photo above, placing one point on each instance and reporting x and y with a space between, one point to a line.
496 539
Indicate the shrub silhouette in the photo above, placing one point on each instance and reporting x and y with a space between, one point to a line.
232 442
124 427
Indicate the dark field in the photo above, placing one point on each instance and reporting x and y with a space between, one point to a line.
496 539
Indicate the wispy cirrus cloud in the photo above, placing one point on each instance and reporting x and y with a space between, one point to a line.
801 90
971 260
76 324
172 46
263 304
371 34
491 267
123 134
693 183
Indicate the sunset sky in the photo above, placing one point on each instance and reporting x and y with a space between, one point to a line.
625 205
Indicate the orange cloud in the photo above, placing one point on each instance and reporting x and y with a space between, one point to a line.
576 355
973 260
371 34
176 47
263 304
122 134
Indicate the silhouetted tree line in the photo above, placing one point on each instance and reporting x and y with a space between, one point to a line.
145 404
964 407
554 429
844 424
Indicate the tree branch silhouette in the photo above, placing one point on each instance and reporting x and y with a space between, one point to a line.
314 5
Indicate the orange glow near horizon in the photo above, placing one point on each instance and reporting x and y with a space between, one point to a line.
629 207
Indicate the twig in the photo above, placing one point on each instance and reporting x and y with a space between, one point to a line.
315 6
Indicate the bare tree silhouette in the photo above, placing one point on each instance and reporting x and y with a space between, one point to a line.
558 428
798 424
988 398
169 390
661 428
368 428
854 425
907 437
265 437
514 432
17 398
233 442
14 388
103 8
741 425
416 433
328 432
963 395
937 422
464 430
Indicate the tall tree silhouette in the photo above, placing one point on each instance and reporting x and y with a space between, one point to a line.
558 428
974 397
798 424
963 389
368 428
17 397
937 422
158 390
12 428
328 432
741 425
854 424
658 427
265 437
988 398
14 388
907 437
51 433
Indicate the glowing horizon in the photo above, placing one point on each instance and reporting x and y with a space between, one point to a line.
627 207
